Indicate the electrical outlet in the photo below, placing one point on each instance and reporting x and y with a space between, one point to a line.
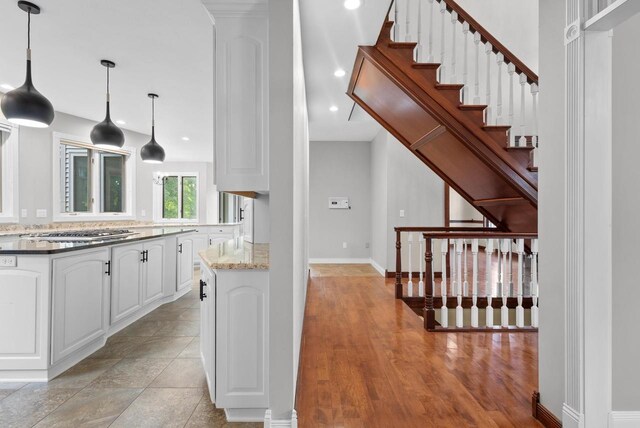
344 245
401 213
366 245
24 213
41 212
8 261
143 213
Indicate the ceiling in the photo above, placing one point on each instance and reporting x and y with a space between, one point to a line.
330 38
162 46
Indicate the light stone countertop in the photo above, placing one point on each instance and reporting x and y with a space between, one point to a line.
236 254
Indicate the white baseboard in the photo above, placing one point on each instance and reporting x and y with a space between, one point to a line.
571 418
244 415
274 423
377 267
341 261
620 419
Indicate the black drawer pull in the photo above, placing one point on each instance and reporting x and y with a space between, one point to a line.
108 272
202 293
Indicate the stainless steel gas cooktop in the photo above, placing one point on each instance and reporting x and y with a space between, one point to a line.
80 235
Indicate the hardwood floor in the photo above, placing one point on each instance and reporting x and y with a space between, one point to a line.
367 362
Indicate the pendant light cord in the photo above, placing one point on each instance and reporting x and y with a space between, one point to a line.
29 34
108 84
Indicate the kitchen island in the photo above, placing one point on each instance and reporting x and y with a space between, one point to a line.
61 300
234 327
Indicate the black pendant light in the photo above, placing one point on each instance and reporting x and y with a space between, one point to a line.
25 105
152 152
106 133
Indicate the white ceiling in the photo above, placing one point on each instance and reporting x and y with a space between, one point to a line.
162 46
330 38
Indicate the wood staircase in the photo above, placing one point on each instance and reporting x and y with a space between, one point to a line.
451 138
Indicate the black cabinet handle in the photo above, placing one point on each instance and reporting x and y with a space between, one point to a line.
180 248
142 255
202 293
108 271
146 256
241 214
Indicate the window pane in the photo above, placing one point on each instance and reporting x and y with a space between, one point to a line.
189 197
112 184
75 179
170 197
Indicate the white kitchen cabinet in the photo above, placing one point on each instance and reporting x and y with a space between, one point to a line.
242 97
126 282
185 262
24 316
79 305
207 328
153 271
200 243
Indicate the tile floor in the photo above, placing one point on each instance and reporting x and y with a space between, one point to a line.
147 375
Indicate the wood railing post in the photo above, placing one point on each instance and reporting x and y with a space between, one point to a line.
398 266
429 312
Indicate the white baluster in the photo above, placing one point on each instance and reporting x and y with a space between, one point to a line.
430 41
500 61
534 95
419 48
465 64
488 49
410 283
488 283
476 83
523 139
534 282
444 312
511 70
474 284
454 22
421 281
459 310
504 310
407 29
442 69
396 22
465 288
519 308
510 289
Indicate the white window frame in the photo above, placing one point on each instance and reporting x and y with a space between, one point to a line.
94 214
157 197
9 171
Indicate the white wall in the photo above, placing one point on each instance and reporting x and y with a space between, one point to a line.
626 205
35 168
378 178
340 168
288 203
551 206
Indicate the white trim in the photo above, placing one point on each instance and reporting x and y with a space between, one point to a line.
10 179
340 261
621 419
377 267
95 214
272 423
613 15
571 418
157 198
244 415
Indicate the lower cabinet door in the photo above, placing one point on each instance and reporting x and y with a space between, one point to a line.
185 263
80 307
242 335
126 281
207 330
152 288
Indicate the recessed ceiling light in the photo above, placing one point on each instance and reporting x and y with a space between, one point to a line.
7 86
185 138
333 108
121 122
339 73
352 4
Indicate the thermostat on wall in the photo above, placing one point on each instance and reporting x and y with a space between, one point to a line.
339 203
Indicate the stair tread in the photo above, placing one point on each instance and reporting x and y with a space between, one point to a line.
515 148
496 127
429 65
450 86
402 45
472 107
517 200
533 168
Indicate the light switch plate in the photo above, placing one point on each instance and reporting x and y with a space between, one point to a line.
143 213
344 245
401 213
41 212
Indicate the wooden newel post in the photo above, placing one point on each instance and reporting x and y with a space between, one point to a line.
398 266
428 312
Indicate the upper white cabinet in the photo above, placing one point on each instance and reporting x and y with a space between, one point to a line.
242 94
80 294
